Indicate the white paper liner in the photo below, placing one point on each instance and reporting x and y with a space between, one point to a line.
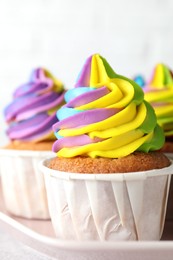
128 206
169 155
23 183
169 214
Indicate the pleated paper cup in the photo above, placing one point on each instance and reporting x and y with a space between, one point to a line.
128 206
169 213
23 183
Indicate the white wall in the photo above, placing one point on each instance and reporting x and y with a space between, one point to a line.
133 35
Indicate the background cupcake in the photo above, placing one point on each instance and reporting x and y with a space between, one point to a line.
29 117
159 92
107 182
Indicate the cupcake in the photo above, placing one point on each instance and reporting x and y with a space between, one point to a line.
159 92
108 181
30 117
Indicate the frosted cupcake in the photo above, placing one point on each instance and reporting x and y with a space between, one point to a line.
159 92
30 117
107 182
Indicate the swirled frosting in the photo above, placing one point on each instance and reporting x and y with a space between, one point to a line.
32 112
159 92
105 115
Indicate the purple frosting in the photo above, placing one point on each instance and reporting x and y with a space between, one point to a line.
28 106
74 141
84 76
36 127
29 115
85 118
88 97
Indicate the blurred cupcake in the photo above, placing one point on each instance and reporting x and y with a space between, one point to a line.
107 182
30 117
159 92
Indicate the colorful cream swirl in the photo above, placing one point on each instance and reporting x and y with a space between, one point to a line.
32 112
105 116
159 92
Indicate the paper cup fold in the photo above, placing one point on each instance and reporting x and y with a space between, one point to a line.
23 183
129 206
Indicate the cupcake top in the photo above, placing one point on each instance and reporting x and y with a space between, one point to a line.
159 92
105 115
32 112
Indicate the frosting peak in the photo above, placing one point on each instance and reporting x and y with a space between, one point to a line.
162 76
95 70
33 110
105 115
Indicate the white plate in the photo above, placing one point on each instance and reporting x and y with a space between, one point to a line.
40 236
